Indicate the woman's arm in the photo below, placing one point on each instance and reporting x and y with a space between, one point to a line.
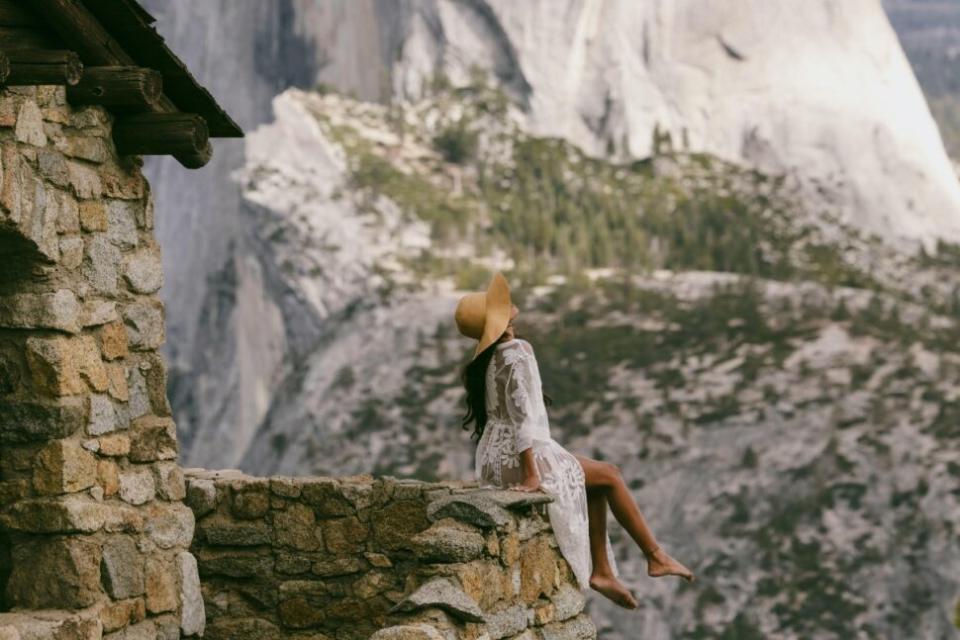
531 477
519 389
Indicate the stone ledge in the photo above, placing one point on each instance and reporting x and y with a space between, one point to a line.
356 557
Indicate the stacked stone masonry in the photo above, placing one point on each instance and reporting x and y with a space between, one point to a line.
96 540
94 534
380 559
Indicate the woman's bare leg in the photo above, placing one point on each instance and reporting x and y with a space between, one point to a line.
602 578
605 478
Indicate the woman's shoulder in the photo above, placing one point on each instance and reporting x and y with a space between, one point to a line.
516 350
517 343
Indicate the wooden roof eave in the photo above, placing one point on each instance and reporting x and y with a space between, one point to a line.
132 27
116 79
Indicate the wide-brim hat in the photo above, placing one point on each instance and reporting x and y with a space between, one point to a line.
484 315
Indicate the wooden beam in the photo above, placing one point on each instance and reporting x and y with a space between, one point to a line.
195 159
82 32
133 29
13 14
160 133
4 67
183 135
43 66
26 38
132 88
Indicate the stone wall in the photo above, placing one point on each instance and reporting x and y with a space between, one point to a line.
94 532
95 538
355 558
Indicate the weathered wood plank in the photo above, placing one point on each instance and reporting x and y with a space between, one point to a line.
43 66
131 26
26 38
132 88
82 32
195 159
13 13
160 133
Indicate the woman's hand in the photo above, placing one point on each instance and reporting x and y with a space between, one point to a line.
531 477
531 484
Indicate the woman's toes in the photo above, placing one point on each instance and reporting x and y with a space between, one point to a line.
613 590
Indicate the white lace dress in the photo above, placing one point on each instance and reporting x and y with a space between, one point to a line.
517 420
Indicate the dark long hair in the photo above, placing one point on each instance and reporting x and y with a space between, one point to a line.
474 378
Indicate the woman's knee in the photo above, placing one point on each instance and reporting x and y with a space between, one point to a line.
611 473
599 474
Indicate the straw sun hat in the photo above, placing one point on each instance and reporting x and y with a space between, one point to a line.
484 315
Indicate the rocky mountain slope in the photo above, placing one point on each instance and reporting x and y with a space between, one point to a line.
780 389
735 318
823 89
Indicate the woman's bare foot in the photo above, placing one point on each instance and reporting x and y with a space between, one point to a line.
612 589
659 563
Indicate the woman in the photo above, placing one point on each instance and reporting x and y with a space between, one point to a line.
507 405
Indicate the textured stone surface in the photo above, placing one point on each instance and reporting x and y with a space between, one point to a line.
84 181
103 416
344 535
580 628
68 576
96 533
114 445
153 438
113 340
228 533
73 513
476 509
122 224
170 524
101 263
169 481
64 366
57 310
160 584
63 467
122 568
144 322
55 625
539 573
296 527
137 486
142 270
93 215
443 594
448 544
354 557
98 312
242 629
408 632
568 602
201 495
29 128
508 621
193 619
122 613
31 421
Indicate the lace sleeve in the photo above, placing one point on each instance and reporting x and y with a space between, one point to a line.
519 397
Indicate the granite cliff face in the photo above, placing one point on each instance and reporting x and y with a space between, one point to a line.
930 34
823 91
706 215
